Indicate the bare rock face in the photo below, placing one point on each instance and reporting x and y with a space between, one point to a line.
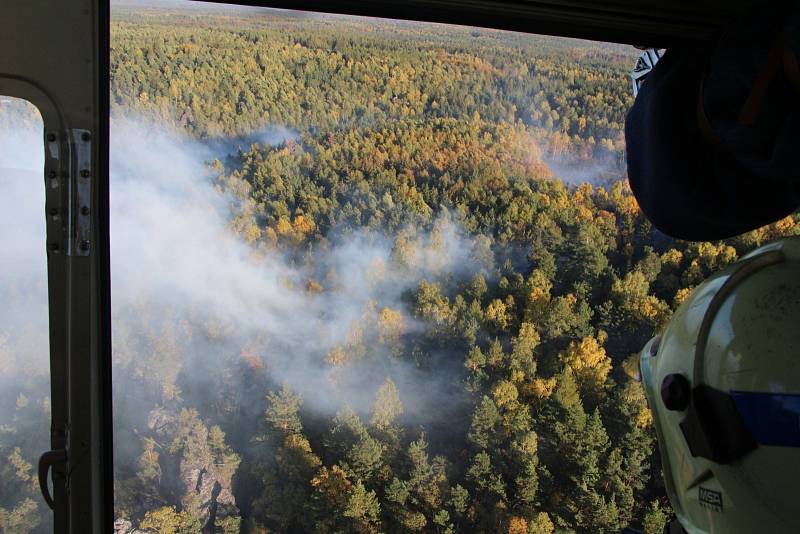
197 469
225 504
123 526
160 421
205 494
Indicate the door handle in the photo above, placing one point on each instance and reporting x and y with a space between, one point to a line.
47 460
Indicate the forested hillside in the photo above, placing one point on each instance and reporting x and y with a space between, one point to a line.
421 308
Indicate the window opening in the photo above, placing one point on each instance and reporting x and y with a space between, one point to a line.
24 333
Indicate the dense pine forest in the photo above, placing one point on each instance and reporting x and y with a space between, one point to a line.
421 309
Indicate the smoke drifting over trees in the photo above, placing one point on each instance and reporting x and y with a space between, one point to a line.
351 292
24 378
299 317
199 312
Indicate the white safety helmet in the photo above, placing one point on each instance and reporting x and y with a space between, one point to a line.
723 383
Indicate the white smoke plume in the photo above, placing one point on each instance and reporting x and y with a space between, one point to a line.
203 296
188 296
202 319
23 261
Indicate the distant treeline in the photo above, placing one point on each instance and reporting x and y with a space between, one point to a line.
231 76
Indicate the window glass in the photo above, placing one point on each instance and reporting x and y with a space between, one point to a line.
24 360
380 276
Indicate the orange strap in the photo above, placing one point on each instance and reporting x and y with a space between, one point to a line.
703 123
790 68
752 106
780 57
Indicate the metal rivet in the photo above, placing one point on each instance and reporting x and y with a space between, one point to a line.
52 174
53 212
54 247
85 210
85 173
84 246
51 137
86 137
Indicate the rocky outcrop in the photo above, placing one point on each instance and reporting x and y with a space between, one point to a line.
207 495
204 464
161 422
123 526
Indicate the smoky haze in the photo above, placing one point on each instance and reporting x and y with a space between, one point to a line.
190 298
197 311
23 289
24 361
